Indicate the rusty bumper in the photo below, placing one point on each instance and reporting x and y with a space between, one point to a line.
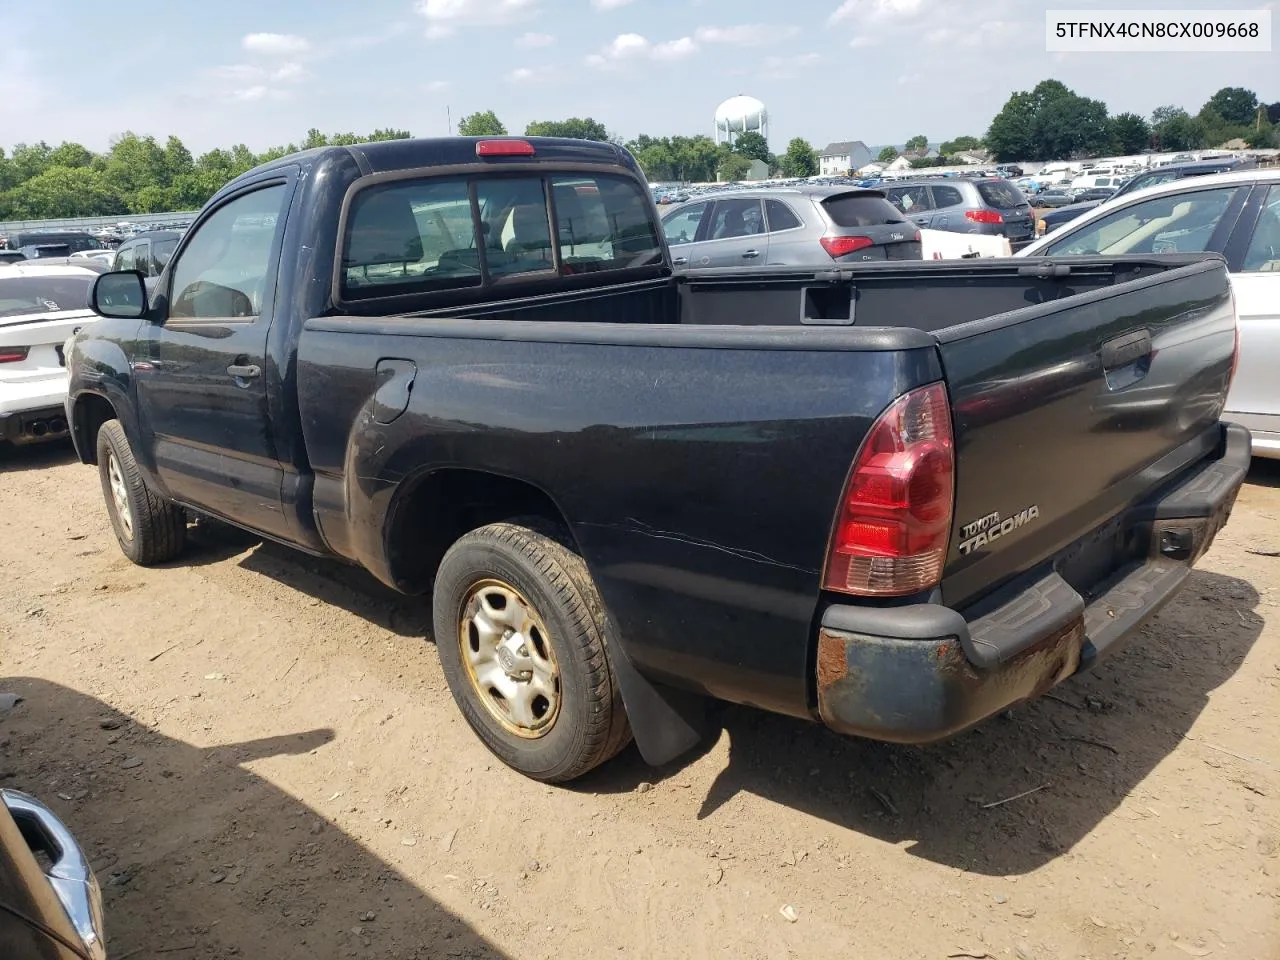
923 672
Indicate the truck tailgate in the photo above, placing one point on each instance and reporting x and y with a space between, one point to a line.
1067 411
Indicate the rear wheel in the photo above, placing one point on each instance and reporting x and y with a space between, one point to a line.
521 632
148 528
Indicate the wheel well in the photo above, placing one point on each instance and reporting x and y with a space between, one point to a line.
91 411
441 507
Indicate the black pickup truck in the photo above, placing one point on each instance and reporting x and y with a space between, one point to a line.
894 497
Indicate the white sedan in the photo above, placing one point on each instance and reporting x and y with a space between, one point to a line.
1235 214
40 308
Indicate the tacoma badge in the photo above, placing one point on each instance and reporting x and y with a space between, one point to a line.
981 532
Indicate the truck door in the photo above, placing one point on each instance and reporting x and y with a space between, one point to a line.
202 374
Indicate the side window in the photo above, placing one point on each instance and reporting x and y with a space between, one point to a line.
124 257
142 257
223 268
513 221
602 223
781 217
947 197
736 218
910 199
415 235
1181 223
681 226
1263 254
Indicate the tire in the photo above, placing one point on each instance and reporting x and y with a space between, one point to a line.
149 529
561 622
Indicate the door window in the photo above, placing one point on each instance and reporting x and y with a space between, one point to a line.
1263 254
781 217
681 226
736 218
1179 223
223 268
910 199
947 197
124 257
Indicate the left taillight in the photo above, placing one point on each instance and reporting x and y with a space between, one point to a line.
894 518
13 354
841 246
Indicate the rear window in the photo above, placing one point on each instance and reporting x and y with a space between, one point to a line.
861 210
22 295
1000 193
419 236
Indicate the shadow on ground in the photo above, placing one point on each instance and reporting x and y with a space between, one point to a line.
199 858
1264 472
1089 745
35 456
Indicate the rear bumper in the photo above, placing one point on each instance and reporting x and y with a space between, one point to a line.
34 426
920 673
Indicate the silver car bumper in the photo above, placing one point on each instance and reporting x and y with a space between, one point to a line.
69 875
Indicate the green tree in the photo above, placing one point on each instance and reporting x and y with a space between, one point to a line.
70 155
482 124
733 166
1129 133
754 146
888 155
29 160
800 160
62 192
1263 137
917 144
1172 128
960 144
1235 105
1010 135
575 128
1049 122
1273 112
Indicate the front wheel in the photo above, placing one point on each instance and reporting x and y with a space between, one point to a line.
521 633
148 528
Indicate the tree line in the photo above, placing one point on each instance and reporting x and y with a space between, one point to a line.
138 174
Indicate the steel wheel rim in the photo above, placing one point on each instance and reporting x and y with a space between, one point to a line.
120 495
509 658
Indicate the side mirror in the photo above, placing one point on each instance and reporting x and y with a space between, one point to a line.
122 295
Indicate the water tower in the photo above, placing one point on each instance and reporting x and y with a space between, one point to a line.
739 115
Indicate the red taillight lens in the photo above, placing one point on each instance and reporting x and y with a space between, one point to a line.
984 216
839 246
504 148
891 531
13 354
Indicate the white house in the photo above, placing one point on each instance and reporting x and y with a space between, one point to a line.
900 163
839 158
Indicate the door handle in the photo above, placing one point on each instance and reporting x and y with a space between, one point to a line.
245 372
679 261
751 255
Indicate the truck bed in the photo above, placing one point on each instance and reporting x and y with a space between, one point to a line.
699 462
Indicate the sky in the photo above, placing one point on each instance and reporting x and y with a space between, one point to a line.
262 73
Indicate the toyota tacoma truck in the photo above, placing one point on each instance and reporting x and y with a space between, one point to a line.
895 498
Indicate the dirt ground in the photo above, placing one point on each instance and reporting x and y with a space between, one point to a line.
260 754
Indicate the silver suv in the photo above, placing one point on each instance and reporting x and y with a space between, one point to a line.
965 205
789 225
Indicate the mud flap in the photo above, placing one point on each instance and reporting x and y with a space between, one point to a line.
666 722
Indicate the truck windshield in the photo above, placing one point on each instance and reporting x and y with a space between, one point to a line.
419 236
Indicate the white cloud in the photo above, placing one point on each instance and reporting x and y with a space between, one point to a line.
862 42
746 34
632 46
609 4
531 40
445 16
248 94
290 72
875 10
436 86
275 44
532 75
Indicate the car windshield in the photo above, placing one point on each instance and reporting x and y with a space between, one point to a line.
24 295
999 193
